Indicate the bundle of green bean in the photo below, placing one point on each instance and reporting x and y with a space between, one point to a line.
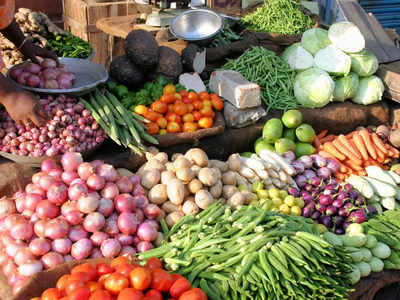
251 253
225 37
123 127
271 73
279 16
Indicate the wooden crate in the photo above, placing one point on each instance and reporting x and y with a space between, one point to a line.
80 18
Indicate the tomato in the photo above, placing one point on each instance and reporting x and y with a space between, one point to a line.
162 131
153 295
176 276
162 122
180 108
152 128
63 281
103 278
79 276
35 298
206 122
173 117
189 127
197 104
193 96
173 127
115 283
94 286
140 109
162 280
206 111
100 295
167 99
217 103
188 118
193 294
197 115
179 287
154 263
82 293
103 268
130 294
73 285
119 260
212 115
152 115
186 100
124 269
183 93
51 294
178 96
207 103
204 96
159 107
190 107
169 89
88 269
140 278
170 108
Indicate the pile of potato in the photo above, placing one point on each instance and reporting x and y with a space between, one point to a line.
191 182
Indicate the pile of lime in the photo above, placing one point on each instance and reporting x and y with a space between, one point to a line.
287 134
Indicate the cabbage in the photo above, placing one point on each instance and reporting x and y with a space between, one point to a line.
315 39
345 87
347 37
297 57
370 90
313 88
364 63
333 61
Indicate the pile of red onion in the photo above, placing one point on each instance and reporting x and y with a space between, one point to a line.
70 128
77 211
45 76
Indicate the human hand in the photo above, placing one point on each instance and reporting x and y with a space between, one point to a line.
32 51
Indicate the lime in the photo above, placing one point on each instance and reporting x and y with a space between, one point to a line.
283 145
290 200
272 130
292 118
295 211
262 194
283 194
276 201
273 192
246 154
300 202
284 208
305 133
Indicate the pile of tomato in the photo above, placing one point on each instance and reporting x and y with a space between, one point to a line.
122 279
181 111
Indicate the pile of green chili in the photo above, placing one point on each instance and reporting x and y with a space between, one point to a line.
225 37
279 16
70 46
271 73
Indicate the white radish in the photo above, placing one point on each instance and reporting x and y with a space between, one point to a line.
246 172
279 160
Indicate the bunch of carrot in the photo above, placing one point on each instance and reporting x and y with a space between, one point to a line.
355 151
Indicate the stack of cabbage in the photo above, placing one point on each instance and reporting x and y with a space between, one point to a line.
334 66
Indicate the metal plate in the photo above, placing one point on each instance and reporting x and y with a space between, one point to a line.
196 25
88 76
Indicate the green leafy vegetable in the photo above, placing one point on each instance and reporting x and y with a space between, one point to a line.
70 46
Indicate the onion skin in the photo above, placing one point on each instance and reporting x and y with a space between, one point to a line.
144 246
23 256
51 259
77 233
85 170
47 210
71 161
81 249
110 248
39 246
106 207
57 193
98 237
30 268
146 232
88 203
56 229
124 203
62 246
77 190
93 222
124 185
95 182
127 223
110 191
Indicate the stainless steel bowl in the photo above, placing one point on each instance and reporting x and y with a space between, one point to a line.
88 76
196 25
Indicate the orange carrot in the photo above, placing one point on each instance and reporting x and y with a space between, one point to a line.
316 142
328 138
362 173
379 143
368 143
350 135
340 176
396 153
387 160
345 142
343 149
358 141
343 168
330 148
379 153
353 166
355 149
325 154
322 134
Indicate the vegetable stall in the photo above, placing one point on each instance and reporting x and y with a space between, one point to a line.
274 174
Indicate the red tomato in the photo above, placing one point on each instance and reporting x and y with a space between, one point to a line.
80 276
169 89
186 100
73 285
100 295
167 99
88 269
206 122
189 127
152 115
120 260
170 108
179 287
217 102
176 276
154 263
180 108
177 96
183 93
82 293
204 96
206 111
197 104
140 278
190 107
103 278
173 127
124 269
162 122
152 128
173 117
207 103
197 115
130 294
115 283
154 295
103 268
51 294
193 294
94 286
162 280
63 282
193 96
35 298
159 107
140 109
188 118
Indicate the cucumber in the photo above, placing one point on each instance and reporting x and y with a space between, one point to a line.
354 241
378 173
381 188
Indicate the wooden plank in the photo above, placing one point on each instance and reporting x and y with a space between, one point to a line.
117 26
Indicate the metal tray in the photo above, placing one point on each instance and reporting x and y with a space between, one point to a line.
88 76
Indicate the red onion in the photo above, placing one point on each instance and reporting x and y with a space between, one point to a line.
62 246
78 180
51 259
77 190
11 220
124 185
95 182
138 190
98 237
74 217
23 256
4 257
88 203
127 223
5 239
36 177
144 246
94 222
124 239
151 211
111 226
110 248
85 170
68 176
30 268
96 253
68 207
7 207
146 232
22 230
27 213
20 204
55 173
39 246
19 284
32 68
13 247
110 190
139 215
71 161
34 218
40 227
22 77
48 165
135 179
77 233
108 172
35 189
152 223
68 258
51 83
97 163
57 193
124 203
48 63
81 249
46 181
14 73
10 268
47 210
56 229
32 200
33 81
128 251
106 207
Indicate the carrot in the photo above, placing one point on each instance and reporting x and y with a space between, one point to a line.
325 154
379 153
330 148
340 176
345 142
322 134
316 142
387 160
343 149
350 135
350 164
343 168
395 152
328 138
362 173
360 145
379 143
355 149
368 143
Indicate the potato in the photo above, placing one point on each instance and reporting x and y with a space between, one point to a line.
197 156
248 196
175 156
166 176
151 152
203 199
236 199
170 167
209 176
141 170
216 189
161 215
184 174
158 194
150 178
234 162
221 165
187 192
169 207
176 191
228 191
194 186
154 164
190 208
173 218
229 178
162 157
182 162
124 172
240 180
196 169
